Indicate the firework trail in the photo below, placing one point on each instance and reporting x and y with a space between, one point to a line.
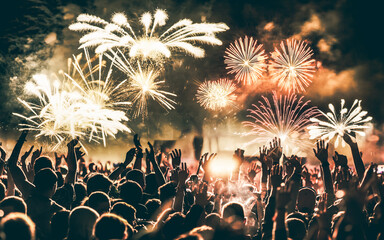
83 104
347 121
104 99
143 85
246 59
56 115
286 117
149 44
216 95
292 66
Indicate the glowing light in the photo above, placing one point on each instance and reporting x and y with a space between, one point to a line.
286 117
144 85
347 121
215 95
150 45
292 66
84 104
246 59
222 166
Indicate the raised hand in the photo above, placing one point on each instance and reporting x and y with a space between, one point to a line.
207 160
176 158
283 196
340 160
253 169
183 174
239 156
36 154
150 153
139 148
350 138
25 156
129 156
275 150
201 197
276 176
322 151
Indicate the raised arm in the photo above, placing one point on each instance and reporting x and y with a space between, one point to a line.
18 175
357 160
74 154
139 152
179 198
321 152
151 155
128 159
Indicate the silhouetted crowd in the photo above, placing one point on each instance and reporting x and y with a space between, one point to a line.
146 196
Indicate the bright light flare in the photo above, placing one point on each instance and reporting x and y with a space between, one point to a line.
222 166
150 44
286 117
216 95
143 85
350 121
246 59
292 66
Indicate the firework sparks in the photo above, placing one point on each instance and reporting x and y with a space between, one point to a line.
83 105
56 115
215 95
144 85
286 117
348 122
292 67
150 45
246 59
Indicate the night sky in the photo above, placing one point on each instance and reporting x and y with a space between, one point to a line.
344 35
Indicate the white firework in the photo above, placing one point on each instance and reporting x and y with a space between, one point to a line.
216 95
149 44
292 66
336 125
246 59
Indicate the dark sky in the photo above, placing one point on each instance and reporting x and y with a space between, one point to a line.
346 37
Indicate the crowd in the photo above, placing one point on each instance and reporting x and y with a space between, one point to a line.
272 197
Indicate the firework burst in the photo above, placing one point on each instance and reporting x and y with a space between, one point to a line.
246 59
149 44
292 66
347 121
216 95
143 85
286 117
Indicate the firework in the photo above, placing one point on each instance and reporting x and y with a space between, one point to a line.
150 44
83 104
215 95
292 66
104 103
143 85
352 121
246 59
286 117
56 113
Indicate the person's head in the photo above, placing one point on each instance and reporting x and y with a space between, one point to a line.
167 192
80 191
190 236
59 224
296 229
136 176
2 191
18 226
41 163
81 221
125 211
46 182
151 186
153 208
306 200
110 226
205 231
233 214
212 220
98 182
300 216
131 192
174 225
100 202
13 204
